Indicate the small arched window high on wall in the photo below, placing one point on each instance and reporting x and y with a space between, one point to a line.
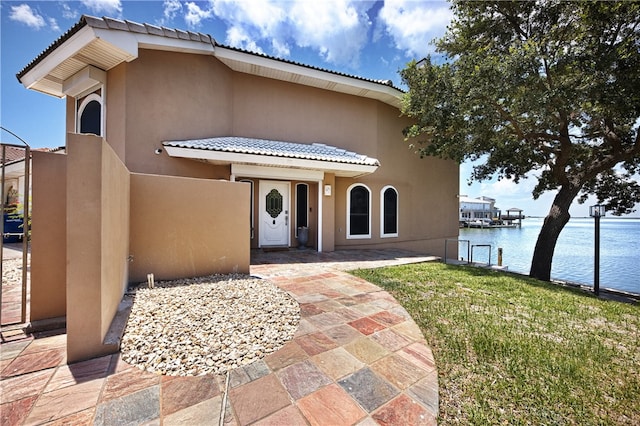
389 212
89 116
358 211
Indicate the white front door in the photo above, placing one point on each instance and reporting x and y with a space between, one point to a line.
274 213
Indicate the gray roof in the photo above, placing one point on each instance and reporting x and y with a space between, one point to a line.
116 24
241 145
140 28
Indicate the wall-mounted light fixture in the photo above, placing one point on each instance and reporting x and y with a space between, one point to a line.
327 190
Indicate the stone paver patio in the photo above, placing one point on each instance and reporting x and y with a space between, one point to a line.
357 358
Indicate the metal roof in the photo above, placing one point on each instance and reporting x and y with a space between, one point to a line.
292 159
112 24
106 42
240 145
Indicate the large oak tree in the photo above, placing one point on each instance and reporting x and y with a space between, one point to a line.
548 90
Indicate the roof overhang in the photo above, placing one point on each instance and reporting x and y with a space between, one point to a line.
284 159
104 43
101 48
263 66
229 158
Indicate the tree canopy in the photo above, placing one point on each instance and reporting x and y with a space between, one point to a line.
537 89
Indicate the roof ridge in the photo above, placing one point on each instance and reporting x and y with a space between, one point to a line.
384 82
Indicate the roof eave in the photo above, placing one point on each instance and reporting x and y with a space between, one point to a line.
121 45
220 157
264 66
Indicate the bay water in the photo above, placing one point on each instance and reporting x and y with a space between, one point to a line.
573 258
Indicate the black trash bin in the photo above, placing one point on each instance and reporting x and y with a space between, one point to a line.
12 225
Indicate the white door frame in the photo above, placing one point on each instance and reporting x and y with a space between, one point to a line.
264 187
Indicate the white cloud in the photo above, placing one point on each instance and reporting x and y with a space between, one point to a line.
336 29
69 13
53 24
413 24
195 14
238 38
171 9
110 7
24 14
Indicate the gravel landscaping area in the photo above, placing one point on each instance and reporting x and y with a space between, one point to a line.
207 325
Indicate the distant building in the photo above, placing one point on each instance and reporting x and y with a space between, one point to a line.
481 208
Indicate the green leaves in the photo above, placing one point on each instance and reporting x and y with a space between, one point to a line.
551 86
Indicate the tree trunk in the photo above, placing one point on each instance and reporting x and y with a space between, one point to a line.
553 224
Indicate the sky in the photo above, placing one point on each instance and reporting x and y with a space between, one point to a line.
371 39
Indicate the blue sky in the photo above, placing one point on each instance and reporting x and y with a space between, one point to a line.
372 39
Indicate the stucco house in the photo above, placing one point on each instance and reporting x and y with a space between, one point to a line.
182 155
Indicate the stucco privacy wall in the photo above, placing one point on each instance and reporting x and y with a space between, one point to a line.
183 227
97 243
48 236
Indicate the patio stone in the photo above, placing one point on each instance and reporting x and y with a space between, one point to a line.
404 411
337 363
366 325
343 334
398 371
315 343
135 408
302 378
15 412
206 412
330 405
258 399
35 361
289 416
370 390
19 387
330 372
290 353
181 392
366 350
76 398
426 391
127 382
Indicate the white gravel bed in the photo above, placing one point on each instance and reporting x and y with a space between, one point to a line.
207 325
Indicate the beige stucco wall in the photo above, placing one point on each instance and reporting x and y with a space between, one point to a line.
184 227
165 95
97 243
48 236
171 96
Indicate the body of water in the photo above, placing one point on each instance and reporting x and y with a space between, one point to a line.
573 258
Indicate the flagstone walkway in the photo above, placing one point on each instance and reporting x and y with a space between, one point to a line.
356 359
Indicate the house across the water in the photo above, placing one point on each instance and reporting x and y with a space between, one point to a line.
481 212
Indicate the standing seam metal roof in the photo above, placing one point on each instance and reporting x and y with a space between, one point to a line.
241 145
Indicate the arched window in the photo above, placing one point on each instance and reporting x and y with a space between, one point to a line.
358 211
302 205
90 115
388 212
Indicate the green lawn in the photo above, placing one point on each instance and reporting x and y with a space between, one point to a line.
513 350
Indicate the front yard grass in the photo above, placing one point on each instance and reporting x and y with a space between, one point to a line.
513 350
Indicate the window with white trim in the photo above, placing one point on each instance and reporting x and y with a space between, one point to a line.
388 212
89 114
358 211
